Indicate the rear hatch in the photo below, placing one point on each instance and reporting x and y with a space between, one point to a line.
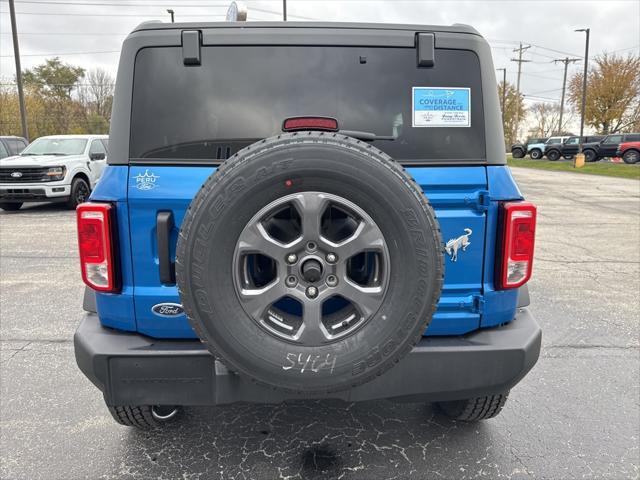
186 119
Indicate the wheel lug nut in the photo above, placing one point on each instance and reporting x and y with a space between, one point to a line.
291 281
292 258
312 292
331 257
332 280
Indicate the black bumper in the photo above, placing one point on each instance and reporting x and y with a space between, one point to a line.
132 369
25 195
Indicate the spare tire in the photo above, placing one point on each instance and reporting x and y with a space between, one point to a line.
310 262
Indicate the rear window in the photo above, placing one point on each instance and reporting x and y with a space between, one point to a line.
241 94
633 137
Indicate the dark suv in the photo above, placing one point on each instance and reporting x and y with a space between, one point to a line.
569 148
305 210
608 146
10 146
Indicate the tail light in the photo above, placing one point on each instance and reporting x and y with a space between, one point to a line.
518 238
95 240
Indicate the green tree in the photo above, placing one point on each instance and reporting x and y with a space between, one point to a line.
53 83
53 79
513 113
613 93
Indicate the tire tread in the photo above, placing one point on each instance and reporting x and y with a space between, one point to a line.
474 409
134 416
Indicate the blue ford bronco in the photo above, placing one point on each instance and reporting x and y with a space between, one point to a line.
302 211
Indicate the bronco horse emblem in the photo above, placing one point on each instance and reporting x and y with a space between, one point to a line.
455 244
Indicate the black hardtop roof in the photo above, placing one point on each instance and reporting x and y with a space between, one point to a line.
455 28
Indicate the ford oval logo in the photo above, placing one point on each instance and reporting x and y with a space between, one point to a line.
16 174
168 309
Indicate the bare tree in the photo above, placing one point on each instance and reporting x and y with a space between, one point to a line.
97 93
545 118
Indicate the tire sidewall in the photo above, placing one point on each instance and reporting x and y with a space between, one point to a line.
590 156
238 193
626 157
535 154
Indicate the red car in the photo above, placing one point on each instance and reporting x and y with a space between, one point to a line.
629 151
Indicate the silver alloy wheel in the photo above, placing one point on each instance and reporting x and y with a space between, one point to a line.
311 301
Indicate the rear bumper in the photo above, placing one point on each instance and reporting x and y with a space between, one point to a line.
132 369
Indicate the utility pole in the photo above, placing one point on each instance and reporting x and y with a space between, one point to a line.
520 61
584 84
16 54
566 62
504 91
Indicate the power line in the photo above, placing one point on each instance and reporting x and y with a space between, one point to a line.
148 15
545 91
82 84
538 76
554 50
116 4
62 54
138 15
624 49
516 42
540 98
88 34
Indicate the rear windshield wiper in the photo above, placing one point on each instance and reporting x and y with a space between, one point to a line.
55 153
366 136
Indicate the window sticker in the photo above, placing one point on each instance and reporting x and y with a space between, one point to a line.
441 107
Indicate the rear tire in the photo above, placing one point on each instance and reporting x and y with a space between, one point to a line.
553 155
80 191
145 417
474 409
10 207
590 156
535 154
631 156
517 153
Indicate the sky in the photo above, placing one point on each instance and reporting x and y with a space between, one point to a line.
89 33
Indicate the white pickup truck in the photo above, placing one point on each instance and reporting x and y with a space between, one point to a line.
60 168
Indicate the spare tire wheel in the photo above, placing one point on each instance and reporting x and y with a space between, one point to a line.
310 262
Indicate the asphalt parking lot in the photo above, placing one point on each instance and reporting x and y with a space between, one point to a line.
576 415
